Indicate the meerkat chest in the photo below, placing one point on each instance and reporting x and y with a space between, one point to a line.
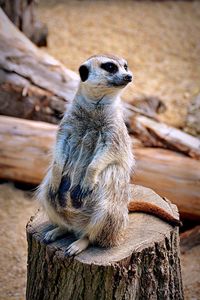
88 129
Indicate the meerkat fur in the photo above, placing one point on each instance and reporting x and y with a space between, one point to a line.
86 189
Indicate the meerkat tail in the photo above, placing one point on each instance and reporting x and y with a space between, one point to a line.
149 208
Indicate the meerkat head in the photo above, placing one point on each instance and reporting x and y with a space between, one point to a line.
103 75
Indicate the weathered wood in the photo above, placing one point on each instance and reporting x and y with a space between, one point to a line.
145 266
24 148
23 14
190 239
33 84
146 105
157 134
172 175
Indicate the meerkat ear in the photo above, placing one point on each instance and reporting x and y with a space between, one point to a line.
84 72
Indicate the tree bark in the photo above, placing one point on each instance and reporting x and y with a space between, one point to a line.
145 266
25 147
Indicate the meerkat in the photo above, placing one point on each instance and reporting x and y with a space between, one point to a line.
86 189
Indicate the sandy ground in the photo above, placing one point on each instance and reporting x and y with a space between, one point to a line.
190 262
16 207
160 40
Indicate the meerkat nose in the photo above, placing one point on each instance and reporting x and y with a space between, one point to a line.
128 78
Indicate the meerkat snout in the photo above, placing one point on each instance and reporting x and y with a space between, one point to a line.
128 78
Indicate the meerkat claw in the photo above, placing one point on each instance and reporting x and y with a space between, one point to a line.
77 247
48 238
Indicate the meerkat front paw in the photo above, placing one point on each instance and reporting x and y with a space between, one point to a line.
90 179
81 191
54 234
77 247
77 195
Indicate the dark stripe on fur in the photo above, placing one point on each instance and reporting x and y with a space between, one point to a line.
77 195
52 196
63 189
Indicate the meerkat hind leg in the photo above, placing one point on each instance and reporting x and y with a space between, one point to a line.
54 234
77 246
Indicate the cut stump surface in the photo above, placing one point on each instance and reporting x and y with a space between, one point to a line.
145 266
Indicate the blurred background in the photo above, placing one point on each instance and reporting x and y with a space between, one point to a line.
161 42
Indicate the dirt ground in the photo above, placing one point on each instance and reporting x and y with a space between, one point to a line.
16 207
160 40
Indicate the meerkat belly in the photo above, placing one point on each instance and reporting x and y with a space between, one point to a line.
114 181
81 153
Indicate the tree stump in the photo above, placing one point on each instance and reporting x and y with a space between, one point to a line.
145 266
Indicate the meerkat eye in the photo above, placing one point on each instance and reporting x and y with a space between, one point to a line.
109 67
126 67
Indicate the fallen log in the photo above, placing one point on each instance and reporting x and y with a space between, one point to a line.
157 134
145 266
33 84
22 14
147 105
172 175
24 148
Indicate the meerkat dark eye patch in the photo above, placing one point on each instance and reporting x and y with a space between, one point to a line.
84 73
109 67
126 67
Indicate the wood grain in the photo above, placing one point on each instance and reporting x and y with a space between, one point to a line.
157 134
